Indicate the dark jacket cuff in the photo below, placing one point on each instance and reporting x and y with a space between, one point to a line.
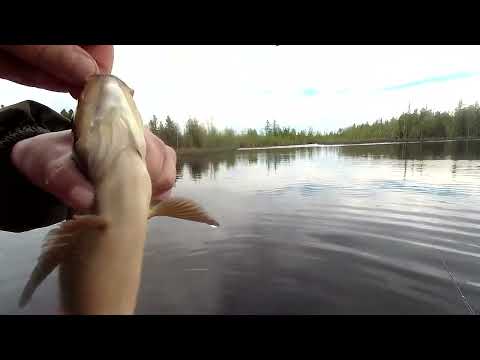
24 206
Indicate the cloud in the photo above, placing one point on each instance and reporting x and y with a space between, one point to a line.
435 79
310 92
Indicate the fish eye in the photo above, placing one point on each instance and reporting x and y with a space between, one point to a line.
132 91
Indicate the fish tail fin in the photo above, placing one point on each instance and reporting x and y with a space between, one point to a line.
55 248
182 209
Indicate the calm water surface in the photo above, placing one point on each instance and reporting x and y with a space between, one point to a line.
367 229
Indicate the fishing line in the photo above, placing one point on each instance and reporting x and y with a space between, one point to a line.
457 285
444 263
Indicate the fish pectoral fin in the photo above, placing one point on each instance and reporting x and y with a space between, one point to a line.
56 247
182 209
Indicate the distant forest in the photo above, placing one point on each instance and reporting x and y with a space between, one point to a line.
423 124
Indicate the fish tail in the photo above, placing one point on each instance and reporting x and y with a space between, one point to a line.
55 248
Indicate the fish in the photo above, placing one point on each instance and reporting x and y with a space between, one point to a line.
99 252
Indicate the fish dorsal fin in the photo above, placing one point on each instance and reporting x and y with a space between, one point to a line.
182 209
55 249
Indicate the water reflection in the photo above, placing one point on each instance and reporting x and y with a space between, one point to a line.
412 154
455 150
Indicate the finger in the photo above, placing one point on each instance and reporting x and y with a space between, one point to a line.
75 92
69 63
64 180
161 161
46 161
165 183
18 71
155 154
103 55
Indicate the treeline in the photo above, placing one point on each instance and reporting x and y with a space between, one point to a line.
193 135
200 136
463 122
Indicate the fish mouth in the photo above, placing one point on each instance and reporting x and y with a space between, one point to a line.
109 76
112 77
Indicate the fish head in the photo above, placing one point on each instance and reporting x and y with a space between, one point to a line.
107 122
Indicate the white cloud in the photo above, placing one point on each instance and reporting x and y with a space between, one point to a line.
243 86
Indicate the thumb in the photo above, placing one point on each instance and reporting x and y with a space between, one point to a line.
53 173
64 180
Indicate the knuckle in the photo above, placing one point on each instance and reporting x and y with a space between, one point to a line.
23 153
164 182
152 139
171 179
171 152
19 149
160 141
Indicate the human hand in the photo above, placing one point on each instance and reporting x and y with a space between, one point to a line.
47 162
62 68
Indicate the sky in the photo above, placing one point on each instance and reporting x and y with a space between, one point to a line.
323 87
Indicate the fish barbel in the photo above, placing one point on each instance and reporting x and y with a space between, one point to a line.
100 252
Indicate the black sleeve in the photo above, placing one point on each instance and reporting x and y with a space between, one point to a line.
24 206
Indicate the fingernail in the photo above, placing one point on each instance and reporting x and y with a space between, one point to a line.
84 67
81 197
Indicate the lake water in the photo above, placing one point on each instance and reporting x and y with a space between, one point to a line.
365 229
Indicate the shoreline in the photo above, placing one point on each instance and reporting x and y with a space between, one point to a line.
198 151
368 142
202 151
